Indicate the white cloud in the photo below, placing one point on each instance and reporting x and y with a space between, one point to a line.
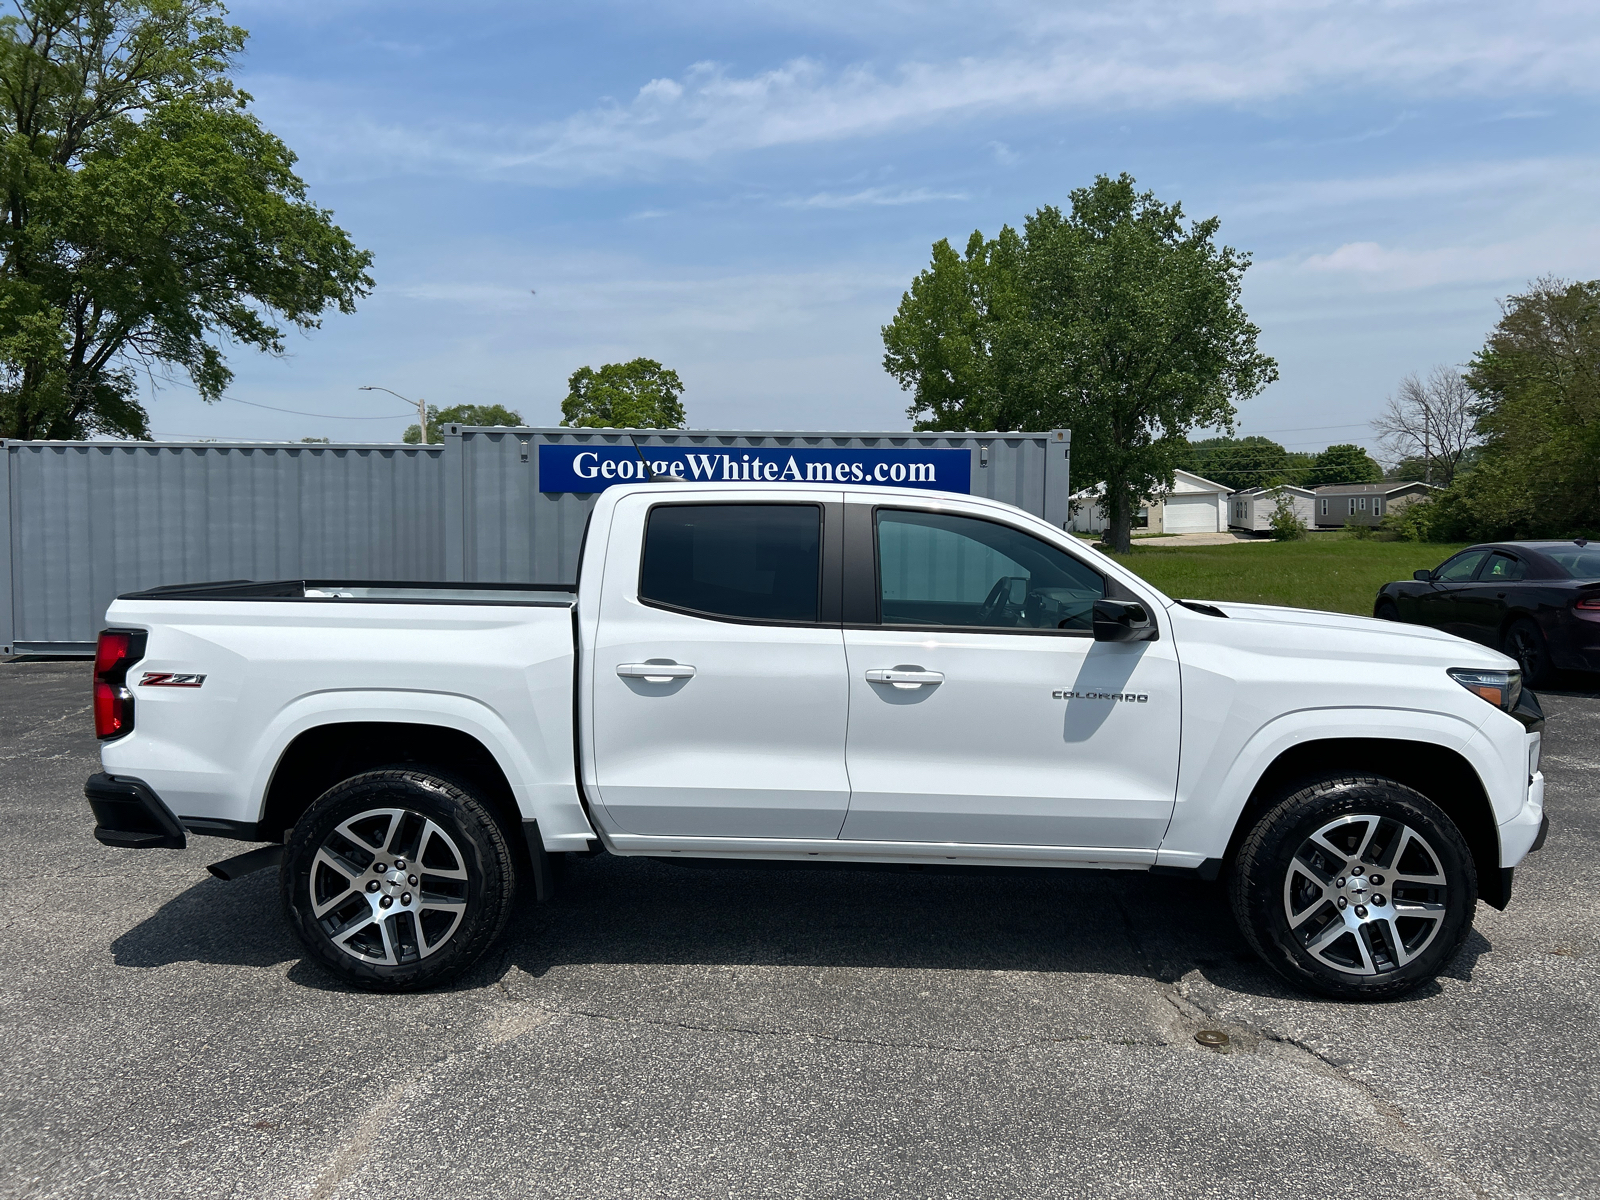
1087 59
874 196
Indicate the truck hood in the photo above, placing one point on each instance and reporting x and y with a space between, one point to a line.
1369 636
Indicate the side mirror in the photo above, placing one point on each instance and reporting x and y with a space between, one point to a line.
1123 621
1422 576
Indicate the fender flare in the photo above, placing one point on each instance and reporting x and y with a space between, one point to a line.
1205 816
544 792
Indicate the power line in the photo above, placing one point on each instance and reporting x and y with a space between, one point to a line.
329 416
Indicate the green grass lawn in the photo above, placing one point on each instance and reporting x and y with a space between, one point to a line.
1337 574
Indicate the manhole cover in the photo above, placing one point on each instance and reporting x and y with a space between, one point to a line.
1211 1037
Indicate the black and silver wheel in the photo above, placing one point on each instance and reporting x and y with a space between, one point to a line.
1525 643
398 879
1355 887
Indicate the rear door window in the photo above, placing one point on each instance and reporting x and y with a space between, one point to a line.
745 562
1502 568
938 569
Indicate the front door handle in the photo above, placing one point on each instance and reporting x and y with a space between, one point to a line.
653 672
904 677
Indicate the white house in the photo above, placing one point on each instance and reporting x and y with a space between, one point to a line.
1193 505
1252 508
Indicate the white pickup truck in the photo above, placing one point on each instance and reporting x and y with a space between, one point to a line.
809 673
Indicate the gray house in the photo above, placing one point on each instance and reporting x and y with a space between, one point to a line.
1252 508
1341 504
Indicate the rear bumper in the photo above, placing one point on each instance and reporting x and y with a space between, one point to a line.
130 815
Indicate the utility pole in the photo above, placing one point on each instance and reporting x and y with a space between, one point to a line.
1427 456
422 406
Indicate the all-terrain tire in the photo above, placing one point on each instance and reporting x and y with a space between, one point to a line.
398 879
1356 887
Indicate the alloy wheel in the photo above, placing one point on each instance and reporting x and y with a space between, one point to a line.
389 886
1526 650
1365 894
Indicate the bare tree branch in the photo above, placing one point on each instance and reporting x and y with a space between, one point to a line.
1429 419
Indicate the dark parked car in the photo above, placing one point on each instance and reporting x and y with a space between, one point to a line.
1537 601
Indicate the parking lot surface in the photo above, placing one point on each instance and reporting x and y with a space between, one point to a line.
662 1031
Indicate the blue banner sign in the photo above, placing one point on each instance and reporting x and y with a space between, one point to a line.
592 468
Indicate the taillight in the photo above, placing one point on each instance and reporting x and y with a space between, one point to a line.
1589 604
114 653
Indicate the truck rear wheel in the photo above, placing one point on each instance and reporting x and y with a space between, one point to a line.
398 879
1355 887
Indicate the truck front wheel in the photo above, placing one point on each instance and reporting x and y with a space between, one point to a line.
1356 887
397 879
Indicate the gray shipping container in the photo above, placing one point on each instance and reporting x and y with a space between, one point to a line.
86 521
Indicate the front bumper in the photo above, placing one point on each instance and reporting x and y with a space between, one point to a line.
130 815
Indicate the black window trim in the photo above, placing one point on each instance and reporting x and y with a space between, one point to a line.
1108 584
829 567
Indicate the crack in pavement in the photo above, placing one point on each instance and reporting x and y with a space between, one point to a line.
1408 1135
840 1039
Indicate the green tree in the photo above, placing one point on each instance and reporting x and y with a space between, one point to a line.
1241 463
148 216
1537 380
641 394
1344 463
1118 320
948 344
460 414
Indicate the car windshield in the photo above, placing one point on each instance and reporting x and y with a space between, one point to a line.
1580 562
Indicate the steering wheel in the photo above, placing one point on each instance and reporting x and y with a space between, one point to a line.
994 604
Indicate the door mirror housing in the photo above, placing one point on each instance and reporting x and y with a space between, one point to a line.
1123 621
1422 576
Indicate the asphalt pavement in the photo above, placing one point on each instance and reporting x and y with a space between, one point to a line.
663 1031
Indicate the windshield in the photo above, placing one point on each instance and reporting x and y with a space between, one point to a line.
1580 562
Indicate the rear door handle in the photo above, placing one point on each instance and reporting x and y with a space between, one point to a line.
903 677
655 672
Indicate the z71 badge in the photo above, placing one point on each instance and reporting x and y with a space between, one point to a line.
170 679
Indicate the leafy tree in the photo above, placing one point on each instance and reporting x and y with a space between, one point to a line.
1344 463
1118 320
1537 382
459 414
148 216
641 394
942 344
1241 463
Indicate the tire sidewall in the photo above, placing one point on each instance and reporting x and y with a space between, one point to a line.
1258 883
1536 675
488 861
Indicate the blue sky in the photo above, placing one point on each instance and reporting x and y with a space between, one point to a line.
743 190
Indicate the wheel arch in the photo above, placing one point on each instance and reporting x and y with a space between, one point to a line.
1443 775
319 757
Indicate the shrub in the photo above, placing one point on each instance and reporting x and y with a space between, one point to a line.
1412 522
1354 529
1286 523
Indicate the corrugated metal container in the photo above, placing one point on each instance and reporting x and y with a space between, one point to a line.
501 527
86 521
89 520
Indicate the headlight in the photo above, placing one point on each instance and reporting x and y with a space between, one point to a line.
1499 688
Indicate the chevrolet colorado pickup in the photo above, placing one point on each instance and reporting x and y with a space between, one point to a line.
818 673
